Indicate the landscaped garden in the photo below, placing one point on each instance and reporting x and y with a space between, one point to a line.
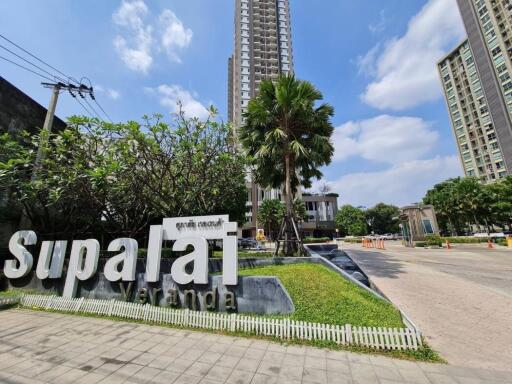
322 296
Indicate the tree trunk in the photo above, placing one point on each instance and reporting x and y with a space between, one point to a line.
288 249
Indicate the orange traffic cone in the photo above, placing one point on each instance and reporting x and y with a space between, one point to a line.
489 244
448 246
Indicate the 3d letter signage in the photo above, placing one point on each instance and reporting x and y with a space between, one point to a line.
84 254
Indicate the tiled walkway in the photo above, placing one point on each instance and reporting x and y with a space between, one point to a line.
37 347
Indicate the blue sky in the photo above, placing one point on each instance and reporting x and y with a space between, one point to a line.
374 61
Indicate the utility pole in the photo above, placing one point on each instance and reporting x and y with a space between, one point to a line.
50 114
47 127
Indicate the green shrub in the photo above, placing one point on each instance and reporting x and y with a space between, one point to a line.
420 244
465 240
309 240
433 240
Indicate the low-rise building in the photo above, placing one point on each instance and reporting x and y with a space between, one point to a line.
321 210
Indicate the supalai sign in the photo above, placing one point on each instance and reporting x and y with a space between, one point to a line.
84 254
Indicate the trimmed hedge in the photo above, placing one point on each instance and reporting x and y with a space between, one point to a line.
353 240
310 240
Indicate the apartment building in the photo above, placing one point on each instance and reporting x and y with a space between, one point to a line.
471 119
262 50
480 71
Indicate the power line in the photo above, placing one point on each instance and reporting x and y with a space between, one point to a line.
25 68
83 106
90 106
66 83
29 62
105 113
34 56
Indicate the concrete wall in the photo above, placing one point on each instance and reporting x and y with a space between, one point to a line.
18 111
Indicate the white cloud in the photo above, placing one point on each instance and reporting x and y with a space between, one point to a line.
405 72
111 93
174 34
172 95
401 184
139 41
386 139
135 48
380 26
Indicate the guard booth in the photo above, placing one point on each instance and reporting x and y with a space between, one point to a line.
417 221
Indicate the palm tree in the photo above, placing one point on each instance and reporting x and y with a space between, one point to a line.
287 137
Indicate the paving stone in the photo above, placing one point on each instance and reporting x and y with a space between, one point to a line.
199 369
315 362
165 377
316 376
240 377
260 378
187 379
228 361
269 368
249 365
144 375
217 373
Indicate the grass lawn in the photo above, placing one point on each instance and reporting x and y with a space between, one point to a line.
322 296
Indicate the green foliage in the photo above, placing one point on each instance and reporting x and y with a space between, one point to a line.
122 177
351 221
272 211
282 121
462 202
312 240
383 219
433 240
320 295
270 215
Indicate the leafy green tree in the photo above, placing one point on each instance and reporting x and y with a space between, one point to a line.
287 136
351 221
270 215
100 177
383 218
299 209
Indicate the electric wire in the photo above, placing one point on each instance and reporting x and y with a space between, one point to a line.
90 106
27 69
83 106
34 56
29 62
68 79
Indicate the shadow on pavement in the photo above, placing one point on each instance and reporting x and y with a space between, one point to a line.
376 264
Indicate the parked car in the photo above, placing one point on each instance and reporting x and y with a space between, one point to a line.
247 242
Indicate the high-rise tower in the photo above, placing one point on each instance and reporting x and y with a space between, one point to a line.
262 50
475 133
488 25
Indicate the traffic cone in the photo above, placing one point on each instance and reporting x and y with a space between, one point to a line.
489 244
448 246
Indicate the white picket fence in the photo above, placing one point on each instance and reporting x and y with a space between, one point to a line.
5 301
285 329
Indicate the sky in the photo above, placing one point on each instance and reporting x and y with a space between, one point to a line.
373 60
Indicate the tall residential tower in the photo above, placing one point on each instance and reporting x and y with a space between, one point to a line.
262 50
480 73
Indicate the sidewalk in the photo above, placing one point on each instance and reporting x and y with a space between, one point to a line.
38 347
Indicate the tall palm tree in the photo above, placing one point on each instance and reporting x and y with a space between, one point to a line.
287 136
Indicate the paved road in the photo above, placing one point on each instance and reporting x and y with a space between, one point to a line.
37 347
460 298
